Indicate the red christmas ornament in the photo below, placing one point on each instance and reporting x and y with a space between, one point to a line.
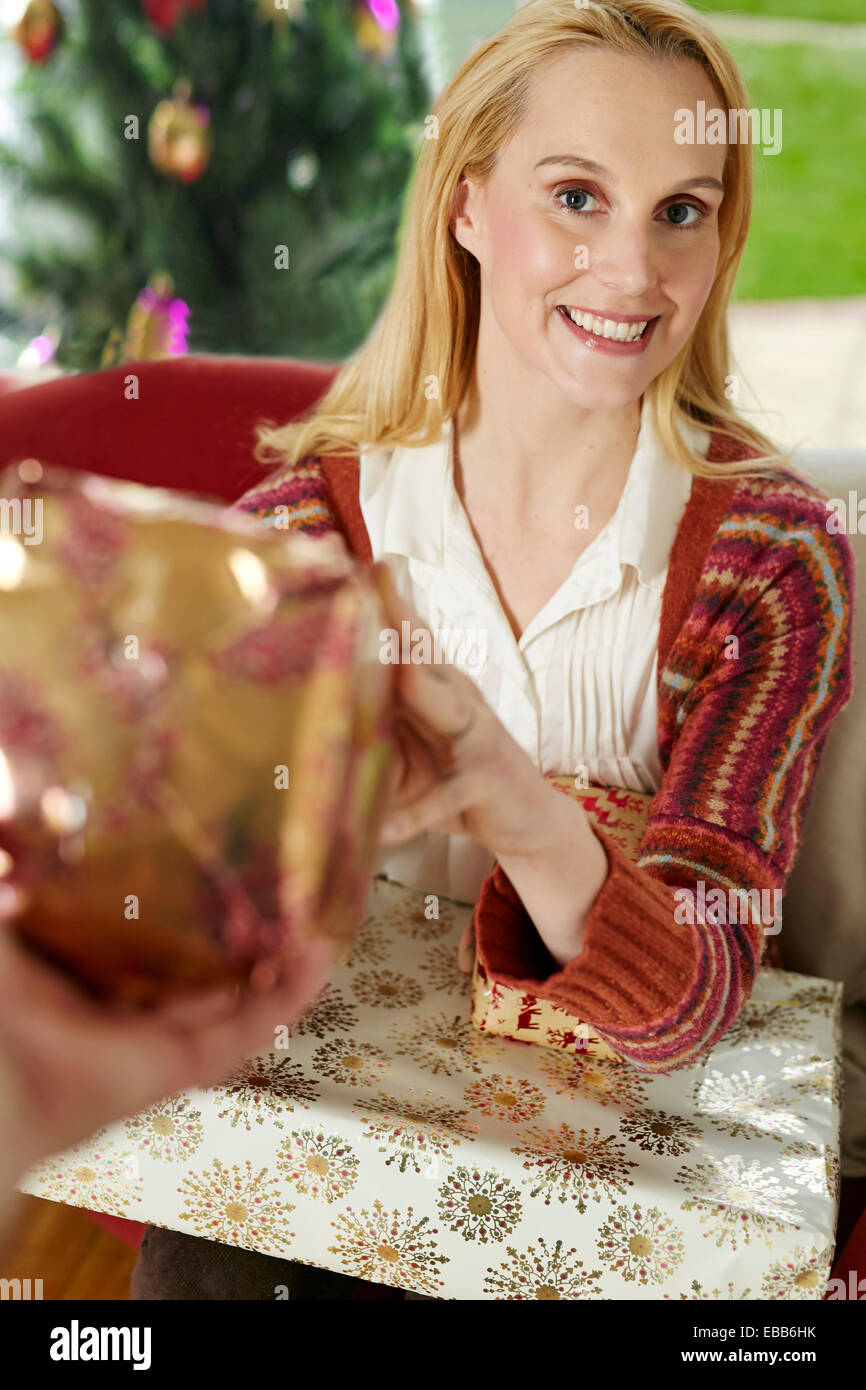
39 30
164 14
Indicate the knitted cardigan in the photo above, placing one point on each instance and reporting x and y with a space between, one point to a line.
741 728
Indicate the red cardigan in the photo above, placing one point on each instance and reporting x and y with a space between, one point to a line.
739 743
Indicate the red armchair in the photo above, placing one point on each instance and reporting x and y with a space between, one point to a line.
190 425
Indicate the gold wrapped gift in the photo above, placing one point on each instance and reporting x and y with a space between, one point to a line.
194 733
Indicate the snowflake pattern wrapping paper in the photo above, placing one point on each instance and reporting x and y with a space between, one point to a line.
386 1137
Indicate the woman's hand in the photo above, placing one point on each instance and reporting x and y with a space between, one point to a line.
458 770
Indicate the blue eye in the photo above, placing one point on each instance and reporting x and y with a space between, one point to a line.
578 193
684 208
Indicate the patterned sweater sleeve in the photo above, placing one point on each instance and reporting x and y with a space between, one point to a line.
293 498
749 690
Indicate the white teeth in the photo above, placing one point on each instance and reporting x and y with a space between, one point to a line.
607 328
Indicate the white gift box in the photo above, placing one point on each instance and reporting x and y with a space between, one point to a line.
387 1138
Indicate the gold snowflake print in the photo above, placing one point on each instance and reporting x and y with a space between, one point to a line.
387 990
264 1087
738 1200
445 1043
503 1098
813 1167
417 925
800 1274
169 1130
372 945
643 1248
746 1106
698 1293
329 1013
415 1133
318 1163
90 1175
479 1206
389 1248
821 997
237 1206
441 971
657 1131
593 1078
574 1166
352 1063
543 1274
821 1083
763 1027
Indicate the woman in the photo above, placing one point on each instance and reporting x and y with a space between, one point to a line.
537 439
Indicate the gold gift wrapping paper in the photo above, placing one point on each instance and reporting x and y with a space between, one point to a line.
195 733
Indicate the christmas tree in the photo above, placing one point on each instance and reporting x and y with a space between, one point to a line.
246 160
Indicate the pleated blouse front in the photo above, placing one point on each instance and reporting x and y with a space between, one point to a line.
578 690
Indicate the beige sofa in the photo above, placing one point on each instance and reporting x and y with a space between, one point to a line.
824 912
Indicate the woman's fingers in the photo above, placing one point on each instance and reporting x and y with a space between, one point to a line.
435 695
466 949
196 1009
193 1053
440 806
438 699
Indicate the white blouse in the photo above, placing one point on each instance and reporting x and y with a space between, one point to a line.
578 690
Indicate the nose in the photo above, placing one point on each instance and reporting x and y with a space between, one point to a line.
623 260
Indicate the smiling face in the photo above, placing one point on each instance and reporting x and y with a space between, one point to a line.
593 207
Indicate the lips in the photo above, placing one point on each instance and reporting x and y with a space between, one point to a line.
615 344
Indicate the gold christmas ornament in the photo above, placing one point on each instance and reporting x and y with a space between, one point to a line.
280 12
179 141
39 30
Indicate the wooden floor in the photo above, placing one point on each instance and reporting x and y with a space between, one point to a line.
72 1256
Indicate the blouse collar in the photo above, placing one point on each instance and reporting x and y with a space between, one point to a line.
409 502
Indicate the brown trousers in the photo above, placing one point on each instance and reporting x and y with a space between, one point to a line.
174 1265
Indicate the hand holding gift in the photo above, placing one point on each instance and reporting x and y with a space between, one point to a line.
459 771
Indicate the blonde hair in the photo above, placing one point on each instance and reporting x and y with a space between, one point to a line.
427 328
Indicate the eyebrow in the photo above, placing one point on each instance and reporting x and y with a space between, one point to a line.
591 165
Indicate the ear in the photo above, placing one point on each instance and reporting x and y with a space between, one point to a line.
464 214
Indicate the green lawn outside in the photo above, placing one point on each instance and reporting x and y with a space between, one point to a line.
808 233
839 11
